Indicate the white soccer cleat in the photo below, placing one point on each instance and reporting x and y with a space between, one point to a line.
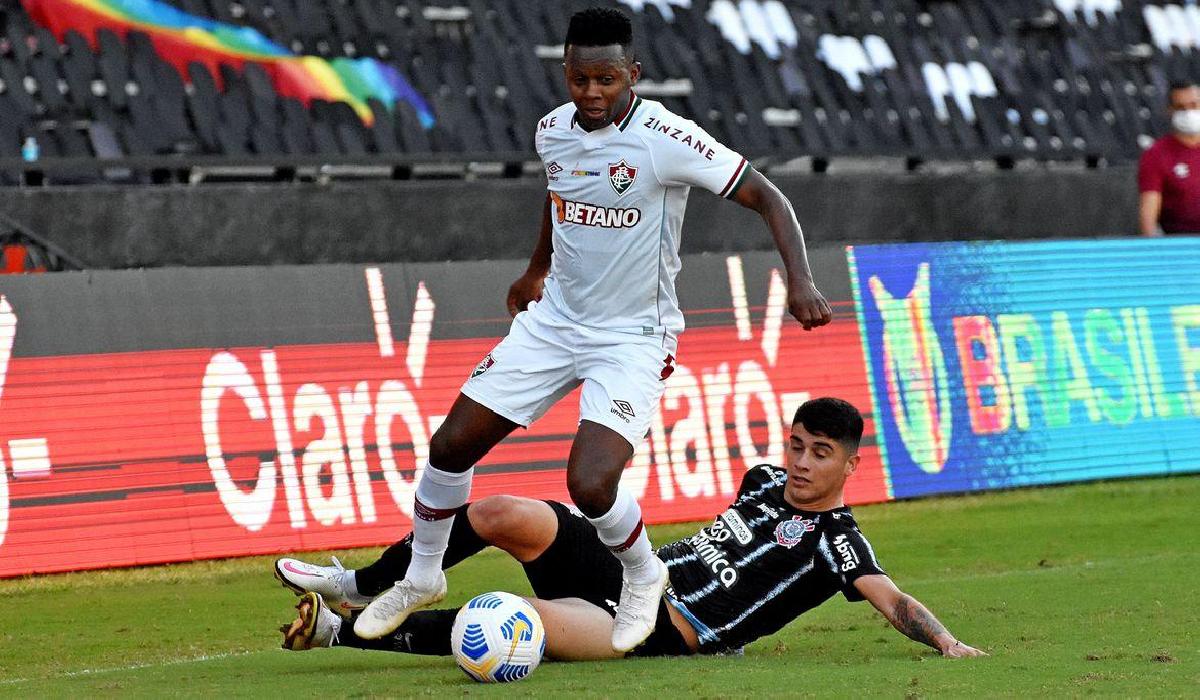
638 611
393 606
329 581
317 626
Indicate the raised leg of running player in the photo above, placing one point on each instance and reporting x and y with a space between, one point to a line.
469 432
465 436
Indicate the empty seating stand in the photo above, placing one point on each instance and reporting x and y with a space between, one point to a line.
919 79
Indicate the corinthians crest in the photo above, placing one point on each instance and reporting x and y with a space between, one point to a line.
621 176
789 532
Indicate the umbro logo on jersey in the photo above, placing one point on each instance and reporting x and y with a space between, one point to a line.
621 176
789 532
553 168
569 212
623 410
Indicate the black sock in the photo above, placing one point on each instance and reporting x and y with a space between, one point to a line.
424 632
380 576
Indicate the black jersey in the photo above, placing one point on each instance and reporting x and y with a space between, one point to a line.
762 563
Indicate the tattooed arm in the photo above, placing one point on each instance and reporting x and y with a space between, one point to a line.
910 617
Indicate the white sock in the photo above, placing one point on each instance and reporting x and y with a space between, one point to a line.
621 530
439 494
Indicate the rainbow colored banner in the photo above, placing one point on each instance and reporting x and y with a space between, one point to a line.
181 38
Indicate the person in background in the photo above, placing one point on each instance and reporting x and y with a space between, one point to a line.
1169 171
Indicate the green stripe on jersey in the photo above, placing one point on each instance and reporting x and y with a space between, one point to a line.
637 100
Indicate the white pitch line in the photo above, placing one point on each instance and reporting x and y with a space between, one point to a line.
135 667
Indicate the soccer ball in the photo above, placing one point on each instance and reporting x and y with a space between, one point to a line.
498 637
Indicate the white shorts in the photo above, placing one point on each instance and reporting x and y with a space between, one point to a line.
545 356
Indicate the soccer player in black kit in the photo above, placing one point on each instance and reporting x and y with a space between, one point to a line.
785 545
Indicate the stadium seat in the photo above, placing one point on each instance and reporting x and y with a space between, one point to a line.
967 79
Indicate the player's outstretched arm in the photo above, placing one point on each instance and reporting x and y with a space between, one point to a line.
910 617
529 286
804 301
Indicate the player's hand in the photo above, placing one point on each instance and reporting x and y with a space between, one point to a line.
958 650
807 305
526 289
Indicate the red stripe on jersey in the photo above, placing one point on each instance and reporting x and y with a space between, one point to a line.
733 178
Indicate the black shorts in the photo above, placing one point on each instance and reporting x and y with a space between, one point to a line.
578 565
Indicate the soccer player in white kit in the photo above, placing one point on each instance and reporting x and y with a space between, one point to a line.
597 307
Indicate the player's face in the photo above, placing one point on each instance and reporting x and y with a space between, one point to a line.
599 79
817 468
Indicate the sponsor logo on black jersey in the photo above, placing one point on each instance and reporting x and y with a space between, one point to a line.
767 510
849 557
621 176
712 554
789 532
739 528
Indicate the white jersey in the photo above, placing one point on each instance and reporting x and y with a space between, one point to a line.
618 196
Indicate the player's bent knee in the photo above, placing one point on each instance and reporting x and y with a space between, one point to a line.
593 496
522 527
446 450
492 516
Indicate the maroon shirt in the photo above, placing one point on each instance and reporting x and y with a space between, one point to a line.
1173 169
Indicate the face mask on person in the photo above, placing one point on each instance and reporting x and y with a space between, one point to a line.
1186 121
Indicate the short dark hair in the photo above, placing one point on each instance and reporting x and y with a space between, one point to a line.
600 26
834 418
1185 84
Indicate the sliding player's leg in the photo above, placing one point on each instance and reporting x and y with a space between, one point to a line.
562 558
523 527
576 630
347 591
527 529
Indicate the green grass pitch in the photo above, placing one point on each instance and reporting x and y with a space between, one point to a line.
1076 590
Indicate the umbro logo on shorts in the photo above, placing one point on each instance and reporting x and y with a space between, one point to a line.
623 410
